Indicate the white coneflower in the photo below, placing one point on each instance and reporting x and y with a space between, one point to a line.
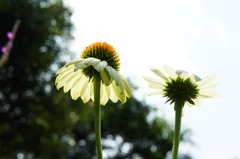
98 59
95 76
178 85
180 88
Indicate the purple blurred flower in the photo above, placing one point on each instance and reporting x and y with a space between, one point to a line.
10 35
4 49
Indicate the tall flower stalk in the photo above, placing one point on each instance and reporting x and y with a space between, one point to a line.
94 76
6 49
178 113
181 89
97 115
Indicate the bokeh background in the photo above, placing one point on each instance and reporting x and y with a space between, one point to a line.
37 121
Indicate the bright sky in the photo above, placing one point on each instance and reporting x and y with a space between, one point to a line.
200 36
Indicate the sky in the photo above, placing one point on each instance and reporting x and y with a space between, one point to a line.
198 36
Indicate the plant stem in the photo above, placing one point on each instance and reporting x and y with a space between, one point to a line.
178 115
97 115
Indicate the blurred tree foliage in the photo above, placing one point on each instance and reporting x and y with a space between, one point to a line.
33 118
37 121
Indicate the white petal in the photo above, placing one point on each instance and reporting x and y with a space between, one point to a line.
193 79
65 70
80 65
72 63
117 78
120 95
171 72
184 75
75 91
209 85
100 66
196 78
197 103
107 90
159 92
61 70
159 73
126 87
104 95
202 97
113 96
155 81
160 87
84 88
91 61
64 79
206 80
71 81
122 98
85 92
77 81
106 76
208 93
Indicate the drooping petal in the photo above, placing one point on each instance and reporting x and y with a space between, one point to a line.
75 91
122 98
120 95
71 82
91 61
80 65
85 92
113 96
126 87
64 79
75 61
100 66
68 65
106 76
103 95
107 90
84 88
117 79
63 72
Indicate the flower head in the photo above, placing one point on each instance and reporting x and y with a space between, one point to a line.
179 86
98 59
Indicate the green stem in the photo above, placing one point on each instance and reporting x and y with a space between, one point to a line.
178 115
97 115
